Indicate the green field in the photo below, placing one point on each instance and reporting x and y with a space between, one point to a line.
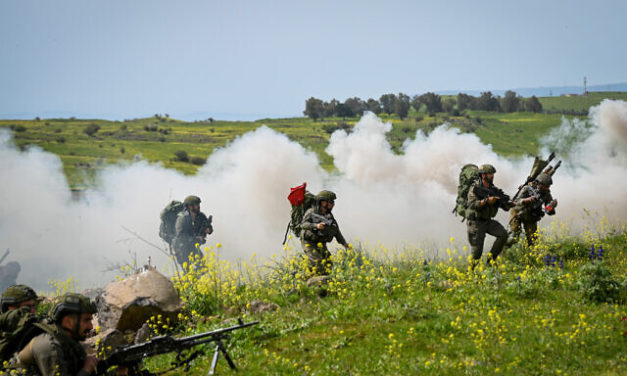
579 103
156 139
401 314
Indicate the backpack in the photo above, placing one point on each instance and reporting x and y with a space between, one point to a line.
22 329
168 220
467 177
301 200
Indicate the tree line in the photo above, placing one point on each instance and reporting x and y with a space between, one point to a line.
431 103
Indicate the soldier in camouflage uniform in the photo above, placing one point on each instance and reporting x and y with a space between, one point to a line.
533 202
480 220
57 351
191 228
18 305
319 228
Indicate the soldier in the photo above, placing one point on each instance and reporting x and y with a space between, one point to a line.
57 351
320 227
18 305
191 228
534 201
483 208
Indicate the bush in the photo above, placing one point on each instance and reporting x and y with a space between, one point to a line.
597 283
181 156
198 161
61 140
122 150
151 128
18 128
91 129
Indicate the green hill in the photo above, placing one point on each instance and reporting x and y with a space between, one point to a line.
86 146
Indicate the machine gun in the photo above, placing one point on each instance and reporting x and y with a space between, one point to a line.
130 356
503 201
538 165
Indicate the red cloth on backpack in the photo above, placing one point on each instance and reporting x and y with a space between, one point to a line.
297 195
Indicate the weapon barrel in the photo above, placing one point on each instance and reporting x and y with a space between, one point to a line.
5 255
218 332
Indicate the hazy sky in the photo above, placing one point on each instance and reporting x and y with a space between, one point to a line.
250 59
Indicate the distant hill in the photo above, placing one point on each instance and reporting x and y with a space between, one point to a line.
549 91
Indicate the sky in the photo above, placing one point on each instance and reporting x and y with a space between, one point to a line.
253 59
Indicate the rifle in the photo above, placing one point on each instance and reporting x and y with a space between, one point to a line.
503 201
318 218
130 356
5 255
538 165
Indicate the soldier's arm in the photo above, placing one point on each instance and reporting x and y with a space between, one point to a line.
525 193
548 200
50 360
473 201
307 222
339 237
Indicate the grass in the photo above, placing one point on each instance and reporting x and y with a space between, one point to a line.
579 103
401 314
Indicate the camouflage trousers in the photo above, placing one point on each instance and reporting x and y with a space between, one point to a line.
516 225
182 254
318 257
477 230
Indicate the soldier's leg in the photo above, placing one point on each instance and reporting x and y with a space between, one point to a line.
476 237
313 257
497 230
515 228
531 229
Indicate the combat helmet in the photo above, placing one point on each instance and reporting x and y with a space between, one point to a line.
325 195
487 169
16 294
192 200
70 303
544 179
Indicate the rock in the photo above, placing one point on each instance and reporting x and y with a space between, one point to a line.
105 342
257 306
142 334
318 281
127 304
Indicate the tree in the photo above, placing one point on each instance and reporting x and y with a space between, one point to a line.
330 107
432 101
373 106
91 129
487 102
401 105
356 105
314 108
510 102
448 105
343 111
533 104
416 103
465 101
387 103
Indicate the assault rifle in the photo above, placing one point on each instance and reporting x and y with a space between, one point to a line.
318 218
503 201
130 356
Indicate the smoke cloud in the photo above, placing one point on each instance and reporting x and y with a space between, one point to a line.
400 200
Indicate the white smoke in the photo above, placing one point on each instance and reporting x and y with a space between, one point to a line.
400 200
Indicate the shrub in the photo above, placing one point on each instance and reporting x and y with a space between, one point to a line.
151 128
181 156
18 128
198 161
597 283
91 129
61 140
122 150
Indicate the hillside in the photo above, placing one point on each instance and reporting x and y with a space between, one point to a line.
86 146
555 309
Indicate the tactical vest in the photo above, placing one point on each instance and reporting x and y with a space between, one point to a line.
73 352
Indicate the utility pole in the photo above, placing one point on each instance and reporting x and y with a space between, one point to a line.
585 84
